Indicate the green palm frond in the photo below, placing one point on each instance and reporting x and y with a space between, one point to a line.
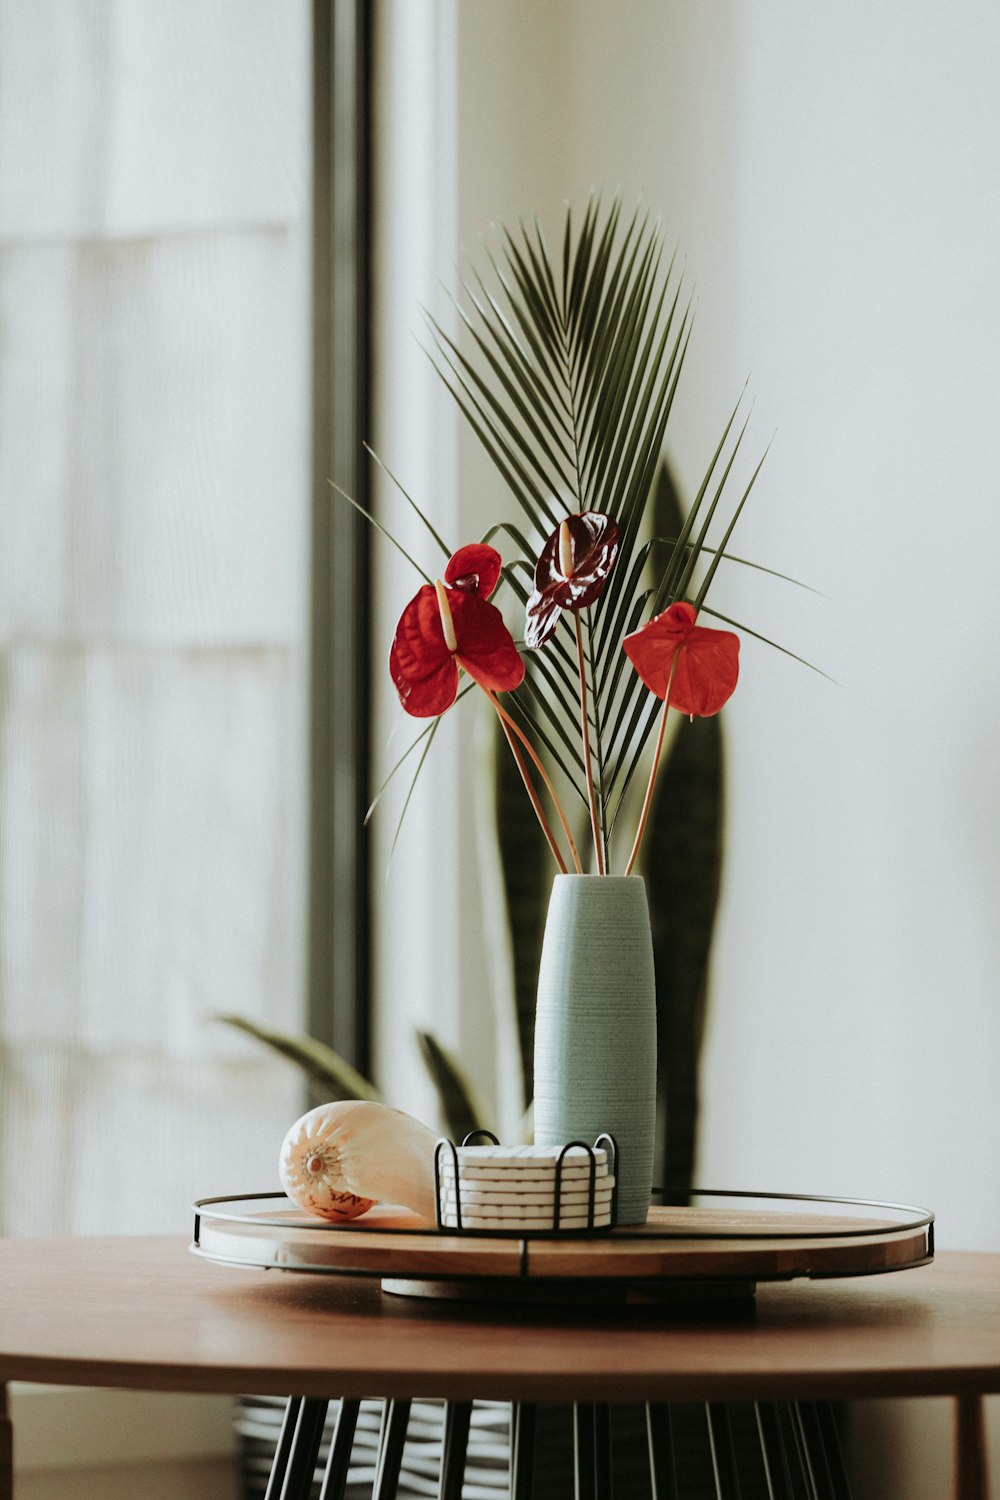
567 370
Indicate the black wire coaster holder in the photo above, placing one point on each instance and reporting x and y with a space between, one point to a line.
604 1141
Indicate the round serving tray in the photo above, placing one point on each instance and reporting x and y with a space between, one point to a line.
723 1244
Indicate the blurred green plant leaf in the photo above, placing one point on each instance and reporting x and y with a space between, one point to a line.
458 1101
526 878
682 864
329 1075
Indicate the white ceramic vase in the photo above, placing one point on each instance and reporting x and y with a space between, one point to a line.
595 1027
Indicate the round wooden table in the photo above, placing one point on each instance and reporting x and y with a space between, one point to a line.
143 1313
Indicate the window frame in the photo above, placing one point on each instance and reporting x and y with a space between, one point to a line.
339 906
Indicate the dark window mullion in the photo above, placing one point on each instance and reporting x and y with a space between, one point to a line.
339 908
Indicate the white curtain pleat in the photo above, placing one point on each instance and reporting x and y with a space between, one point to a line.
154 494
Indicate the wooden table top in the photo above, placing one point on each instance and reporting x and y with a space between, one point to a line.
144 1313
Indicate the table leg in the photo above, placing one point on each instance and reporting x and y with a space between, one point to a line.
720 1436
828 1439
522 1449
602 1451
592 1450
971 1476
6 1448
814 1465
662 1472
294 1464
303 1458
390 1449
583 1450
804 1469
773 1451
341 1447
457 1419
279 1463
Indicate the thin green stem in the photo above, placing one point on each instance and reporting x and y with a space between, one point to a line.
533 796
598 740
510 724
585 734
648 799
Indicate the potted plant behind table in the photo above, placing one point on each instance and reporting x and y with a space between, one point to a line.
568 379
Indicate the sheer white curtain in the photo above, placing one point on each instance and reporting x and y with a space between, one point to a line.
154 175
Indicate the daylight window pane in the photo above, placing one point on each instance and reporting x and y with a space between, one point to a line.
154 503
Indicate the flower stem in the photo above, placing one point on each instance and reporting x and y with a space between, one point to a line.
585 733
648 799
533 795
512 728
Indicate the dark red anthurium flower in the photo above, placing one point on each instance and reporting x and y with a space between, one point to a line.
707 660
475 568
570 571
448 625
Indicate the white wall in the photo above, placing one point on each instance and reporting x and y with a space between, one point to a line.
859 956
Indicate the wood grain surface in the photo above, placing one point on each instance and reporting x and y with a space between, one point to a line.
145 1313
701 1244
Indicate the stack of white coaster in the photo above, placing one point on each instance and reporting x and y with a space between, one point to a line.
514 1187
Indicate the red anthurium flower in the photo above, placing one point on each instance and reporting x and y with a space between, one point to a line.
570 571
475 568
707 661
448 625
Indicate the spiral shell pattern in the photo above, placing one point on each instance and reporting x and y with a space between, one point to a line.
311 1175
340 1159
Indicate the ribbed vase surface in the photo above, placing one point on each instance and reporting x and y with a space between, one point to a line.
595 1027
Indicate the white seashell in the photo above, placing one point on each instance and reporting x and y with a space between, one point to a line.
340 1159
